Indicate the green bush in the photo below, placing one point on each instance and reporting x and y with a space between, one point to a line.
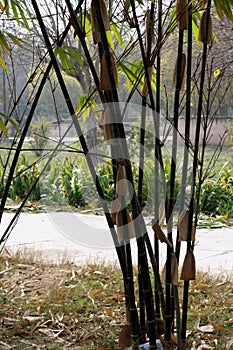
26 174
68 181
62 184
217 195
71 186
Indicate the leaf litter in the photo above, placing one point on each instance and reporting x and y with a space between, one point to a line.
64 306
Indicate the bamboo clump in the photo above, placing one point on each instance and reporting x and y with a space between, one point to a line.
120 215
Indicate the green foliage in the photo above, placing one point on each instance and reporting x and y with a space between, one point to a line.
18 10
133 73
105 176
117 34
85 104
224 7
3 126
217 195
26 173
52 101
70 181
66 57
62 184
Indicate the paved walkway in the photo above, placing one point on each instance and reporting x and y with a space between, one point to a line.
84 238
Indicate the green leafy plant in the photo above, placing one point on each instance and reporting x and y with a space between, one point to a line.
217 195
25 175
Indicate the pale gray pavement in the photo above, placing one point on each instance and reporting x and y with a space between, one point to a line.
83 238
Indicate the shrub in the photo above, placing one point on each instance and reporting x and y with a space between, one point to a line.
217 195
26 174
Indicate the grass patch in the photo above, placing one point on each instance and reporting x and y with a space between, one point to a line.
66 306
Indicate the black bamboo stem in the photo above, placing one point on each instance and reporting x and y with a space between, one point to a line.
157 147
152 330
187 124
142 158
120 152
186 149
171 198
195 168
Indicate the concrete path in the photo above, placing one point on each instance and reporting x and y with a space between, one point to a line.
83 238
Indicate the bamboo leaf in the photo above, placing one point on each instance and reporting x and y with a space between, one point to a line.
16 40
15 12
10 120
4 44
86 24
65 59
6 8
85 104
110 40
195 28
132 72
228 11
3 127
1 6
75 55
117 34
24 18
218 8
224 7
2 61
127 5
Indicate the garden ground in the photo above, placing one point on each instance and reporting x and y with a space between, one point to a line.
69 306
57 293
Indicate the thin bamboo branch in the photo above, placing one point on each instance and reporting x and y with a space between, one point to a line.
157 146
171 195
186 148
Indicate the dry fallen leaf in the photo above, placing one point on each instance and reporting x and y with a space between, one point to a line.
205 347
209 328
